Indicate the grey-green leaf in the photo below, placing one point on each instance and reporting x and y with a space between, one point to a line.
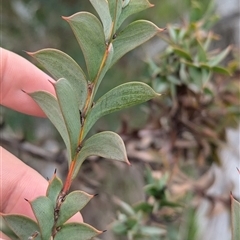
108 60
54 188
134 6
132 36
60 65
43 209
123 96
69 108
201 54
128 209
77 231
22 226
150 231
50 106
105 144
115 7
235 212
73 203
102 8
89 33
214 61
182 53
172 33
221 70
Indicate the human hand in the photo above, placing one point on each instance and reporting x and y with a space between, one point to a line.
17 180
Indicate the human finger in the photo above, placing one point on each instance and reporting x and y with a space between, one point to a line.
17 74
20 182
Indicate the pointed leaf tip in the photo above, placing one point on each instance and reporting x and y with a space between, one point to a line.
65 18
54 188
29 53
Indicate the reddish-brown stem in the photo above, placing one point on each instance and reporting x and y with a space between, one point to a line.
91 89
68 181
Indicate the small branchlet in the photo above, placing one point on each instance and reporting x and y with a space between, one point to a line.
74 98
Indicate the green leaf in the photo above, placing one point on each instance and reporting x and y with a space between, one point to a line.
208 92
22 226
108 60
172 33
102 8
217 59
182 34
154 69
235 215
68 105
132 36
115 7
89 33
188 230
77 231
105 144
201 54
183 73
221 70
160 84
5 229
43 209
182 53
134 6
123 96
50 106
152 231
125 3
73 203
196 76
208 41
174 80
120 228
124 206
206 76
54 188
143 207
60 65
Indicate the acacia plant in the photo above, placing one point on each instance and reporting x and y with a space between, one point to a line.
73 111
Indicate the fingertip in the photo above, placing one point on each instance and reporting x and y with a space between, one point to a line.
18 75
